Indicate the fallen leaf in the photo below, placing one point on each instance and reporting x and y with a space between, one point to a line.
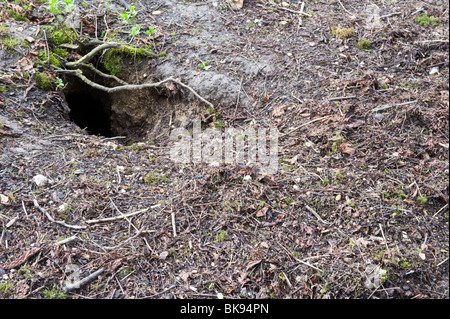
253 263
262 212
184 275
347 148
163 255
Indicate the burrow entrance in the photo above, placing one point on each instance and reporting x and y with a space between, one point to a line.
134 114
90 112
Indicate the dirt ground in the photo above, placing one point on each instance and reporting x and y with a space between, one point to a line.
358 208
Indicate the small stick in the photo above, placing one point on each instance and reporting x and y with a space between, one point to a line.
238 97
351 15
11 222
442 262
440 210
131 87
48 51
118 174
299 260
55 221
24 209
317 215
109 219
78 284
67 240
97 71
138 233
305 124
343 98
384 237
389 106
390 15
293 11
174 227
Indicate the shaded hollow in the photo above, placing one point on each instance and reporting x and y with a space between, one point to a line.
90 109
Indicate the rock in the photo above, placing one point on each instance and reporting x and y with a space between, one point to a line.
62 208
434 70
4 199
378 117
40 180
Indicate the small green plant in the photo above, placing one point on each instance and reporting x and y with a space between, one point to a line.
204 66
422 200
44 81
3 29
401 194
6 288
16 16
25 270
425 20
54 294
52 60
58 7
59 83
219 124
150 31
342 33
63 53
9 43
364 45
153 179
222 236
59 35
290 201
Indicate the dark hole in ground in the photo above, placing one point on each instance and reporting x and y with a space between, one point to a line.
88 111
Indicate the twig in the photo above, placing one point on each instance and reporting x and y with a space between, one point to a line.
55 221
174 227
440 210
131 87
339 98
390 15
138 233
384 237
24 209
108 45
109 219
97 71
442 262
238 97
317 215
118 174
161 292
67 240
78 284
434 41
305 124
389 106
48 51
293 11
299 260
351 15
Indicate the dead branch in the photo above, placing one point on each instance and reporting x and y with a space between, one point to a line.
85 280
55 221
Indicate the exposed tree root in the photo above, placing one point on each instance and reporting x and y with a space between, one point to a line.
74 68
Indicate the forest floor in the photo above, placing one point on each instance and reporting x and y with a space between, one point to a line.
358 207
